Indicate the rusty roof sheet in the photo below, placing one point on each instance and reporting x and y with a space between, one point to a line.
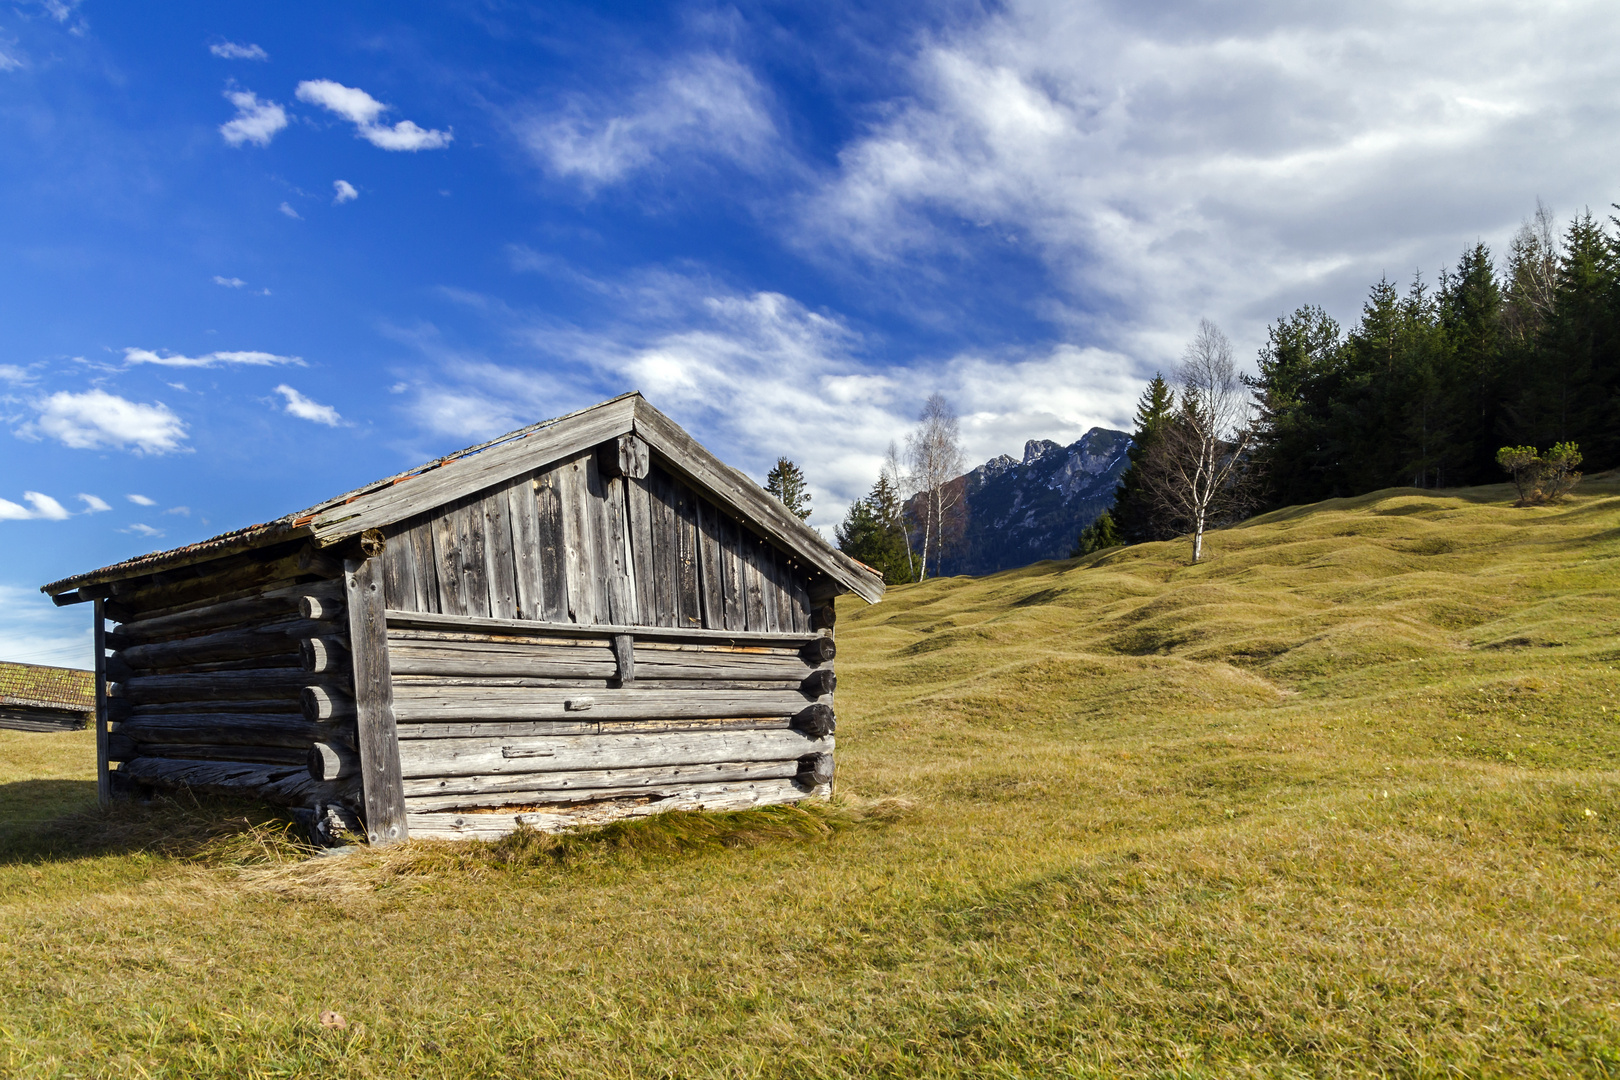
287 527
43 687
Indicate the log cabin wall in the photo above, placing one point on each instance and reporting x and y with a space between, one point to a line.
210 677
569 544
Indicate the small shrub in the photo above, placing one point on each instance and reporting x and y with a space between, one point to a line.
1541 479
1100 534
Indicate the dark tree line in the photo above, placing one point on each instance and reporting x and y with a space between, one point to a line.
1429 384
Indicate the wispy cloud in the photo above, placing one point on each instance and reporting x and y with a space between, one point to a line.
96 420
11 373
93 504
706 105
141 500
35 631
286 208
40 506
142 529
247 358
256 121
363 111
302 407
342 192
229 282
230 50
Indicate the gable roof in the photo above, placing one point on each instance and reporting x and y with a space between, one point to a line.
39 687
444 479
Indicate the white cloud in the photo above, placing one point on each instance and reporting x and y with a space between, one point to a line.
286 208
93 504
229 282
256 121
144 530
759 375
9 62
60 10
13 374
230 50
35 631
342 192
1163 162
43 507
247 358
707 104
302 407
141 500
96 419
183 511
363 110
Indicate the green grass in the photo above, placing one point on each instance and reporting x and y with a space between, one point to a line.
1342 800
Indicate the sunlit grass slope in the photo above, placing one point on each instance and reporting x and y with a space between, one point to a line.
1341 800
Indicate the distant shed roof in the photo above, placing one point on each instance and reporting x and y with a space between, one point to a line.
39 687
393 499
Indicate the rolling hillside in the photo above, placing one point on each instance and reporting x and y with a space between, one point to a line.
1342 800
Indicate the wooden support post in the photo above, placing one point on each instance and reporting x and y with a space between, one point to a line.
624 651
625 456
103 777
382 789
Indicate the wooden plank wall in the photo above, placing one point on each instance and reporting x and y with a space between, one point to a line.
568 544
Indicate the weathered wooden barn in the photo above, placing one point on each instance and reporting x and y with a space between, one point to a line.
589 618
34 697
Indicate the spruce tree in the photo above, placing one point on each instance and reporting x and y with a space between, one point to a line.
873 531
1134 514
786 482
1298 370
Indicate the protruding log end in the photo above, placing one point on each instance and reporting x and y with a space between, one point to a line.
816 721
320 608
819 651
328 761
66 598
823 616
321 703
815 770
819 683
324 654
373 543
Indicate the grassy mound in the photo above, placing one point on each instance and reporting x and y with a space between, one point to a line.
1341 800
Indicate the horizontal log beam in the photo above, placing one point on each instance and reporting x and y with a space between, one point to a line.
274 784
265 639
597 630
213 686
496 729
422 758
275 604
491 826
460 791
415 705
283 756
231 729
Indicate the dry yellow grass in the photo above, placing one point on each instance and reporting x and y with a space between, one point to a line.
1342 800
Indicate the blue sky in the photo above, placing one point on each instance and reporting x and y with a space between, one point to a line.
254 255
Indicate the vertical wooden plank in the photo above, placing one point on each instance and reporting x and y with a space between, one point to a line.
500 563
103 776
733 585
753 581
612 565
420 538
710 571
768 587
382 788
578 540
638 507
525 518
666 594
399 570
686 557
470 542
447 562
553 545
800 599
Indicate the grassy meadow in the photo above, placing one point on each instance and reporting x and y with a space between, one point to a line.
1344 799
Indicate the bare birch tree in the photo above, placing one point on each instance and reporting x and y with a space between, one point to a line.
895 471
1197 472
934 450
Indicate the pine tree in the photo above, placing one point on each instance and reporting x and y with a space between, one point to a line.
1097 536
1472 324
786 482
1298 368
1135 516
873 532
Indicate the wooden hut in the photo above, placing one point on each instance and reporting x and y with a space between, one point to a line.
34 697
586 619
